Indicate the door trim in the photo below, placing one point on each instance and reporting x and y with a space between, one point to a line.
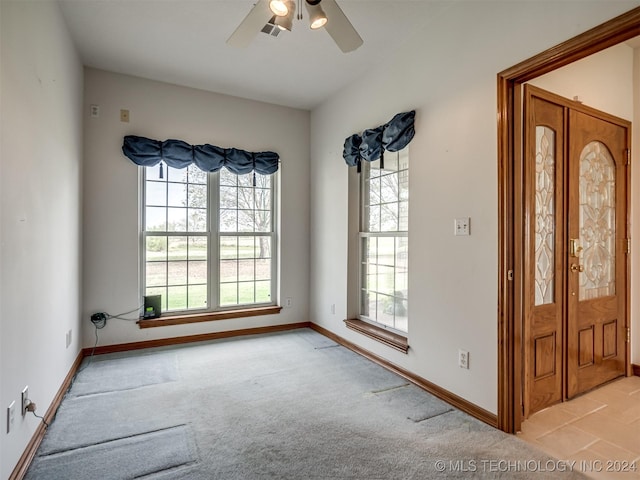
510 176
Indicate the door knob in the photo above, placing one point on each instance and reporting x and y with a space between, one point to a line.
577 268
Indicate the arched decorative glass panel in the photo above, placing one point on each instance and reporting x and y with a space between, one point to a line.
545 215
597 221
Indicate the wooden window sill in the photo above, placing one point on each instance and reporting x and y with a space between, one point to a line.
379 334
208 316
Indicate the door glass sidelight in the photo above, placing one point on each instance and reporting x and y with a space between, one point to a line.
545 215
597 222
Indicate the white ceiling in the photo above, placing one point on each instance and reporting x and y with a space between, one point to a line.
183 42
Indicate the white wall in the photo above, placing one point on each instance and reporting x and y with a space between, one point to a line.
40 239
161 111
448 74
603 81
606 81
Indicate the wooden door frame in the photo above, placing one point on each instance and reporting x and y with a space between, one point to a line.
510 178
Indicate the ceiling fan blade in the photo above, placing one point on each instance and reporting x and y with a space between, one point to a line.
339 27
251 25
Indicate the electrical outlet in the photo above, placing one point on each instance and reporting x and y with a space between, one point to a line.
333 309
462 226
69 338
288 302
25 400
463 359
95 111
11 415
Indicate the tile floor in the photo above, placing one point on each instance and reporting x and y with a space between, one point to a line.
600 431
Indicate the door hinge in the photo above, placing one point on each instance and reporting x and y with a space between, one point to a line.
510 275
628 246
628 156
628 334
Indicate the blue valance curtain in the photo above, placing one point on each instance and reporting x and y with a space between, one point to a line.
178 154
372 143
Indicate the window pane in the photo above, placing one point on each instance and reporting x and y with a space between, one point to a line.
389 188
389 217
177 195
156 248
177 219
262 199
263 292
385 280
246 270
228 220
177 298
263 181
263 269
386 250
246 180
228 247
175 174
197 196
385 310
246 247
228 197
177 248
364 303
176 273
197 272
228 294
197 219
228 178
374 191
156 274
263 221
155 219
156 193
197 248
374 169
246 292
195 175
390 161
228 270
374 218
246 220
403 221
153 173
197 296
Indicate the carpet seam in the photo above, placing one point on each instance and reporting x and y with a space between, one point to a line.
434 416
104 442
390 389
175 467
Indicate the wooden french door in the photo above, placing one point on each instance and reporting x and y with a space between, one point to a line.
575 255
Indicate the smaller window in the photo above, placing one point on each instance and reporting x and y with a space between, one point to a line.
384 267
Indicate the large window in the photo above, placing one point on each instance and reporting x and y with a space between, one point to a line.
208 239
384 202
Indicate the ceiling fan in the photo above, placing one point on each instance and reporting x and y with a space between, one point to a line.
273 16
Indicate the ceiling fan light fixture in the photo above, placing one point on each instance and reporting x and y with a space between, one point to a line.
279 8
286 22
317 17
318 20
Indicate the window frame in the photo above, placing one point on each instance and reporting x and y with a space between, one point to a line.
213 310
